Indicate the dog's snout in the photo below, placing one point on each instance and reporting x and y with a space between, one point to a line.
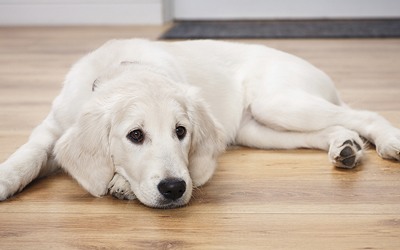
172 188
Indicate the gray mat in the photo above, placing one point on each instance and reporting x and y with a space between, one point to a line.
385 28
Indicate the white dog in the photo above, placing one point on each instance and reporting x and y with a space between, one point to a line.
148 119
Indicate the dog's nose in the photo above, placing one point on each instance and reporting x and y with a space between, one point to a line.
172 188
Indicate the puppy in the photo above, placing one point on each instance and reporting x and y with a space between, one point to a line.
147 120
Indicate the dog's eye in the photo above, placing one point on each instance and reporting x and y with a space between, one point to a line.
180 132
136 136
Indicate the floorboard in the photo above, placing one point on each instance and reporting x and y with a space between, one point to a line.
258 199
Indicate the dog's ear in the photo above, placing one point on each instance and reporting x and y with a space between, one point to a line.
84 151
208 141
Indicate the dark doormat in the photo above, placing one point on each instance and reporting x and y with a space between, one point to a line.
383 28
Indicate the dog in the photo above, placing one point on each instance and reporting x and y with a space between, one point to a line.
147 119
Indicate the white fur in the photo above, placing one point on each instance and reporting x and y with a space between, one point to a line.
222 93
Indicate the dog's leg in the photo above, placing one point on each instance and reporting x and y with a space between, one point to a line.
30 160
377 130
302 112
345 147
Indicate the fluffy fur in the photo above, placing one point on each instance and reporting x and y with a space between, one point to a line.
220 93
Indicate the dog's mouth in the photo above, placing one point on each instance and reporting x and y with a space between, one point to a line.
168 193
169 204
172 193
165 203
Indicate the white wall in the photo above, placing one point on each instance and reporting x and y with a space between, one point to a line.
84 12
125 12
284 9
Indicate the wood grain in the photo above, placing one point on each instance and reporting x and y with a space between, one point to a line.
257 199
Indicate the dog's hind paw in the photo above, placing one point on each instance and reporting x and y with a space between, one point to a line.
347 154
389 147
120 188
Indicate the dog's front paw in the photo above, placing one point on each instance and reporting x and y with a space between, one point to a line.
120 188
388 147
9 182
4 194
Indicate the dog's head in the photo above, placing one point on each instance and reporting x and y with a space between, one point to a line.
157 134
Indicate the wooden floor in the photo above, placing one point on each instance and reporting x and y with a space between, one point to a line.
256 200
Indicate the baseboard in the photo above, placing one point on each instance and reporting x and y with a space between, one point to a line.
371 28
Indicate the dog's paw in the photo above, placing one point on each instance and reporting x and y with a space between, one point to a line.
120 188
3 192
9 182
388 147
346 154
